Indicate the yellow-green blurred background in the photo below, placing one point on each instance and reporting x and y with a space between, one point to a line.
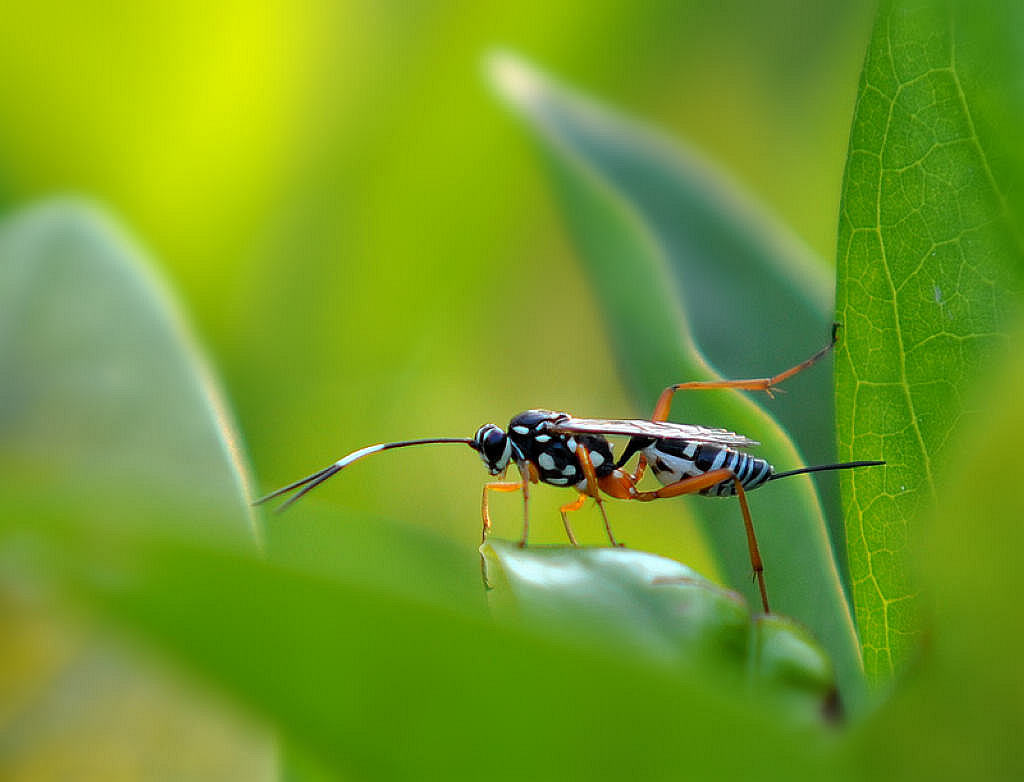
363 239
363 236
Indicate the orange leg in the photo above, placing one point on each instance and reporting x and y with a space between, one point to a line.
695 484
641 466
568 508
766 384
594 490
484 509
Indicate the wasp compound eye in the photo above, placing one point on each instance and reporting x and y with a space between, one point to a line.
494 447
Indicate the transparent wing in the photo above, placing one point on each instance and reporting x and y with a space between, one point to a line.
662 430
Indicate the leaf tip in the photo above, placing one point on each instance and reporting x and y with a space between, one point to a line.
511 77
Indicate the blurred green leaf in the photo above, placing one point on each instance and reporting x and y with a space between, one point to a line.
752 292
105 402
929 266
644 606
103 388
396 558
381 686
626 256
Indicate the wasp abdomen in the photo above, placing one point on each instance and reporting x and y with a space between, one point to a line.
673 460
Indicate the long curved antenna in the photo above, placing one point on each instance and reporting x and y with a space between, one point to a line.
821 467
310 482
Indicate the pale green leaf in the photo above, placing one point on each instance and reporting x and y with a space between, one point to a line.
626 253
105 400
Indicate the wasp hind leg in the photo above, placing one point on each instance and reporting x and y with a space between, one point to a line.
767 384
706 480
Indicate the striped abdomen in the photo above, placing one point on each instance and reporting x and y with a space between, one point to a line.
673 460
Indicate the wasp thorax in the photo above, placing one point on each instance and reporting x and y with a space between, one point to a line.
494 447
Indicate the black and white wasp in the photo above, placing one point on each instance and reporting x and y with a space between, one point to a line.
562 450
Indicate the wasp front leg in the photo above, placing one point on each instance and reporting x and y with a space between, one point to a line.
485 507
767 384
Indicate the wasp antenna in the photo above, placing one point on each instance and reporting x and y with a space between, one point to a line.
823 467
310 482
296 484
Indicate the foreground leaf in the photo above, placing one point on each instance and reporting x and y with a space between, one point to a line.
384 686
648 607
929 263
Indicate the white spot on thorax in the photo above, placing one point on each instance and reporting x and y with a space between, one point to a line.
520 429
546 461
596 459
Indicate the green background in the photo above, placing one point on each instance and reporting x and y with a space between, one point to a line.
366 249
361 232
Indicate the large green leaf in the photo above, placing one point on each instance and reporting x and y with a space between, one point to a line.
625 248
105 402
929 262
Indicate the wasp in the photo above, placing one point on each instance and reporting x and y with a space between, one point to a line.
561 450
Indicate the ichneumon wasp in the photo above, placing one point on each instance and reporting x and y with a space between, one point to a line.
561 450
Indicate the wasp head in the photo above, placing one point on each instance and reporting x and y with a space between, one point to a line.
493 445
